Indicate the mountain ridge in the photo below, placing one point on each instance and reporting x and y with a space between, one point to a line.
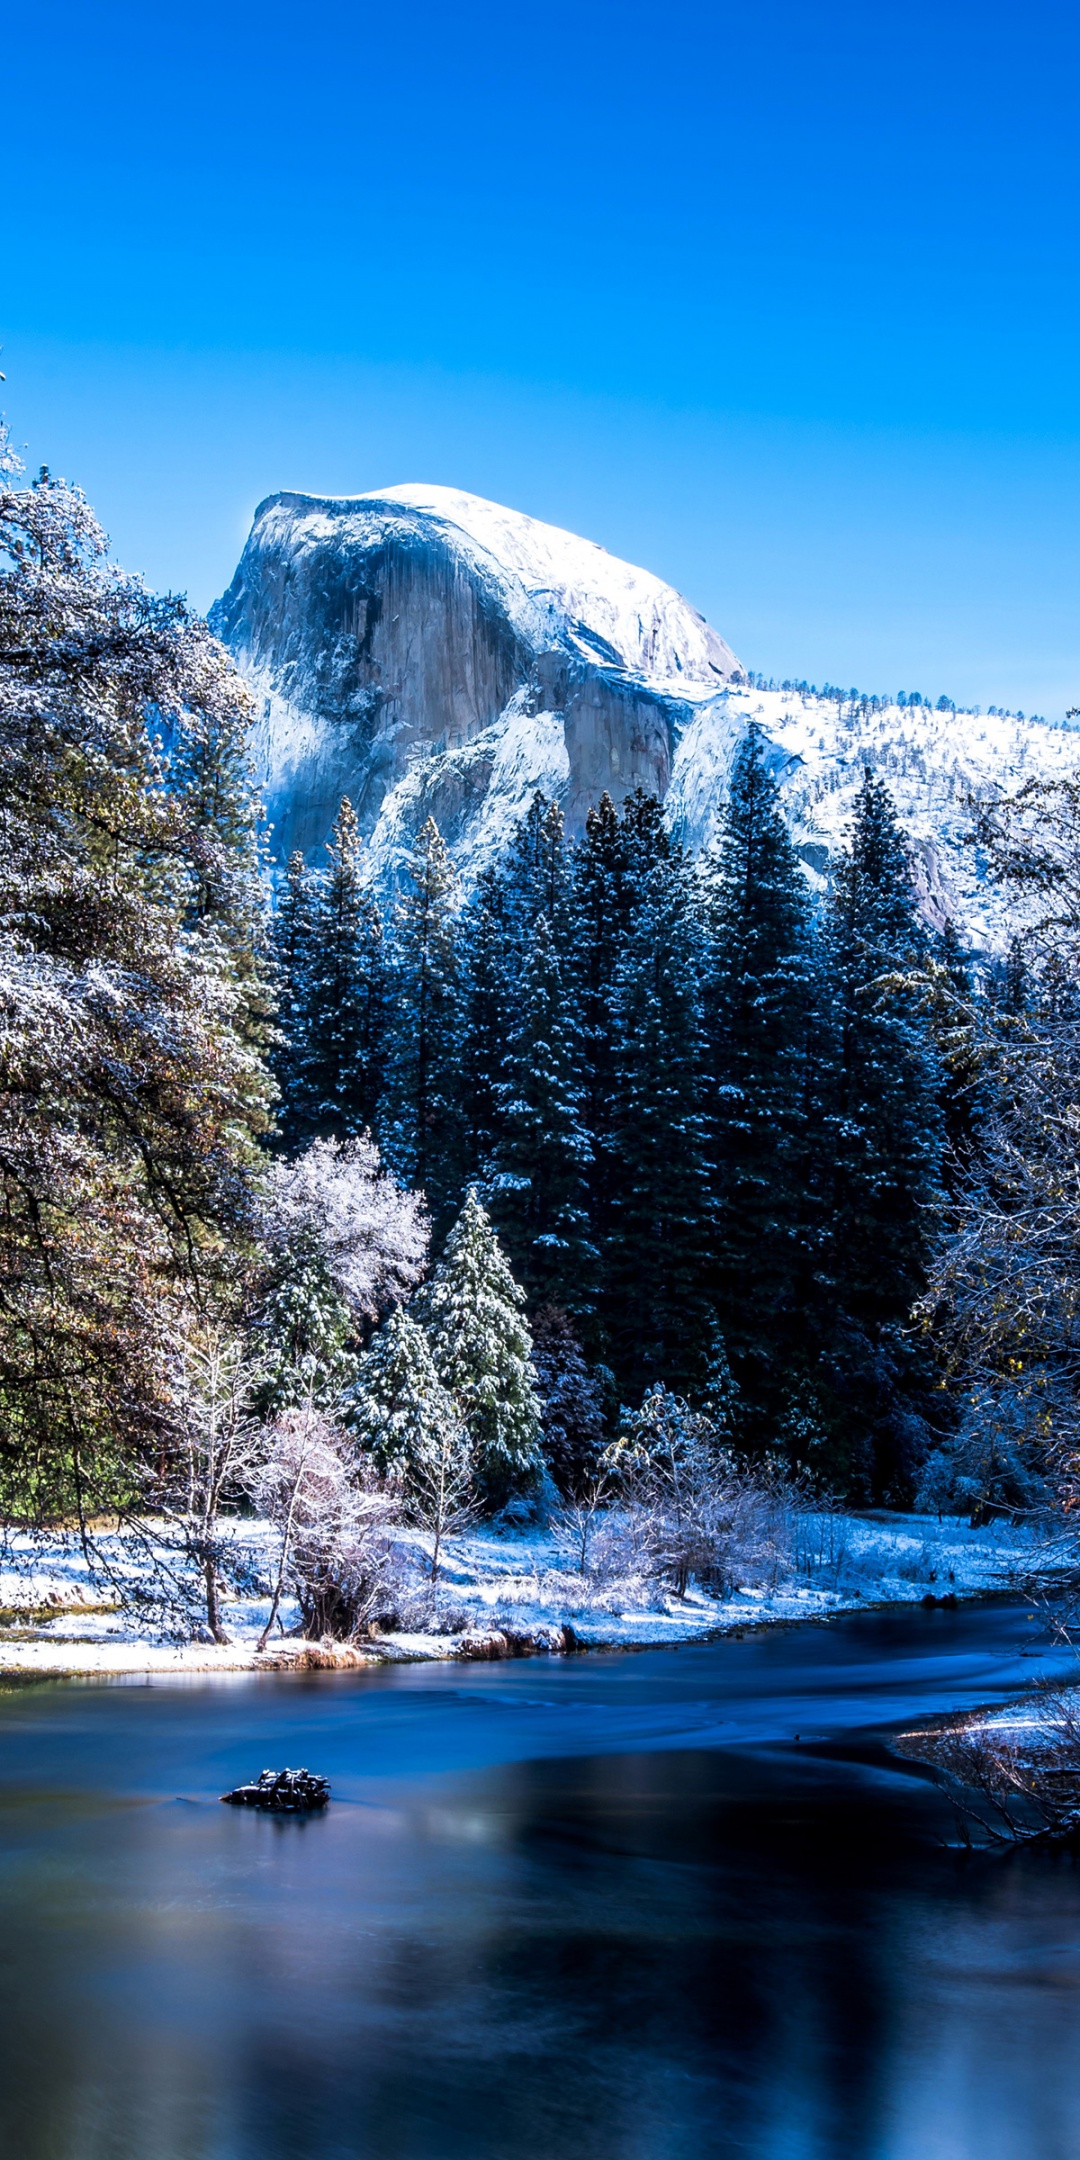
430 653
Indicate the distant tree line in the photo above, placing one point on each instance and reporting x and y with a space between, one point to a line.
861 701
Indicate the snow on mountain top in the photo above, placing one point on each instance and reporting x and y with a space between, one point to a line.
343 609
933 763
649 627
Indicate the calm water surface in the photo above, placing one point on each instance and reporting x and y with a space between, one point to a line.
595 1909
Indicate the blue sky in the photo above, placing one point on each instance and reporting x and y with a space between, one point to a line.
779 299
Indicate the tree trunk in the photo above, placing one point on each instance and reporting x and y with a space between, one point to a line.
213 1612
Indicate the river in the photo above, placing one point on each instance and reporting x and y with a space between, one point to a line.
678 1905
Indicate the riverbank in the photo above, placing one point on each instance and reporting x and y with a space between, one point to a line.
1012 1772
500 1595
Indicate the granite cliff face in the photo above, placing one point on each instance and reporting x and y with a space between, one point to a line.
425 652
428 653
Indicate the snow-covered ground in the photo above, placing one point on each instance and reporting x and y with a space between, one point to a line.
502 1594
934 763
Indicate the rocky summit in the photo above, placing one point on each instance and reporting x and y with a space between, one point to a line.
428 653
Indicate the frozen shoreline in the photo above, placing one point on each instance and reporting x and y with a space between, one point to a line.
513 1595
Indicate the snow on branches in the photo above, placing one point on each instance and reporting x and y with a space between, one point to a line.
371 1236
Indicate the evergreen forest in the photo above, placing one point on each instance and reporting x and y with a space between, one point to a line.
706 1116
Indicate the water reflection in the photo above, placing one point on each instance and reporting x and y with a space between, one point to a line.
643 1954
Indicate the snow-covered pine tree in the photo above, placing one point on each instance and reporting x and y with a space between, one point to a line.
304 1332
487 1006
882 1126
294 954
599 912
346 1023
410 1426
646 846
572 1398
421 1118
399 1410
719 1398
759 1007
535 877
472 1310
655 1299
958 1014
611 869
537 1185
342 1244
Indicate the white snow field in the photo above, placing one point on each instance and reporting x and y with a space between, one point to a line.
934 763
57 1619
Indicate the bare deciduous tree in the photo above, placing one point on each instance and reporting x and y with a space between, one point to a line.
1016 1786
208 1462
581 1515
372 1237
334 1518
1004 1298
441 1494
695 1512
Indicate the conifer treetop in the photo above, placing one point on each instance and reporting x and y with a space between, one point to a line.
873 905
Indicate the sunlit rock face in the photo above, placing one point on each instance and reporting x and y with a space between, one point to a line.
430 654
425 652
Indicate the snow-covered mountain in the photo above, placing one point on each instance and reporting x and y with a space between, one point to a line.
429 653
932 761
426 652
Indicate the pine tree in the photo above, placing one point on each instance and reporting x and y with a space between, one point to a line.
572 1398
955 1023
887 1123
719 1398
759 1001
656 1304
480 1346
611 873
294 955
537 1186
341 1245
535 876
498 931
401 1414
346 993
883 1121
422 1113
598 921
487 1005
646 846
304 1333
